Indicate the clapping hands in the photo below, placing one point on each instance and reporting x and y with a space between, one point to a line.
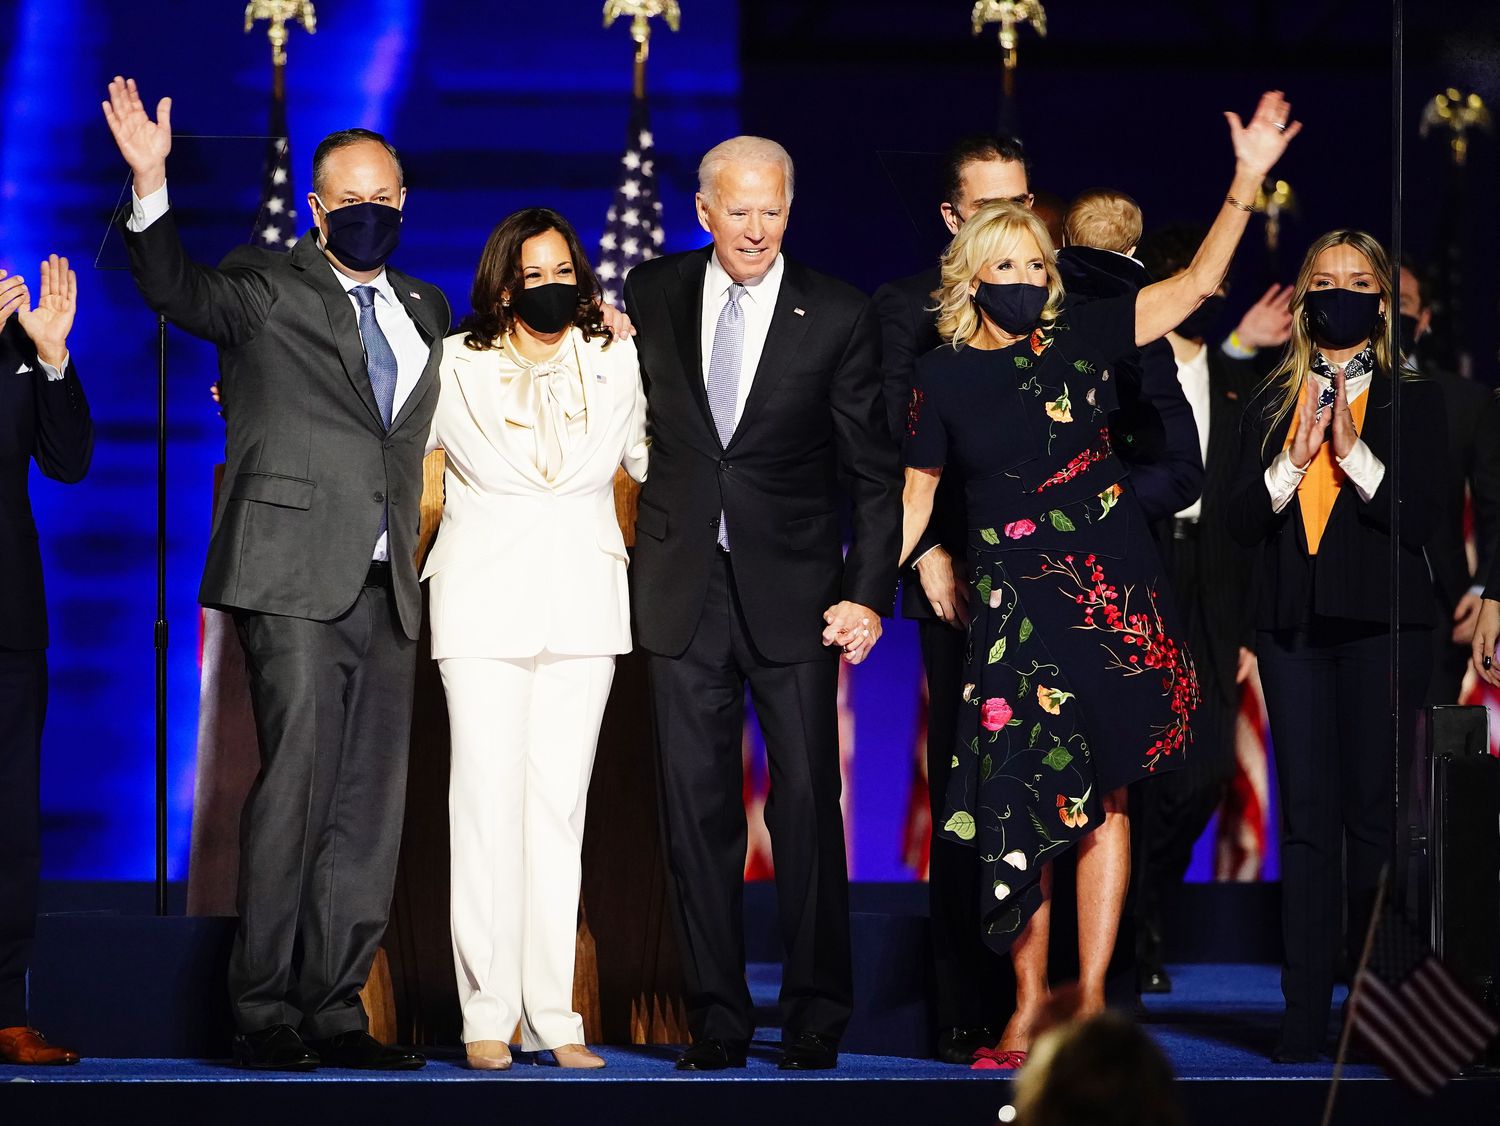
50 319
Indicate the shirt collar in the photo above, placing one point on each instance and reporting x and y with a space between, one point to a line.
717 281
381 282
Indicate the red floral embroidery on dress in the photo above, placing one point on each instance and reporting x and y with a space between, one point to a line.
1041 340
914 411
1081 462
1106 611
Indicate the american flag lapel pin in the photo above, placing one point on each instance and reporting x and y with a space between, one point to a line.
413 295
800 312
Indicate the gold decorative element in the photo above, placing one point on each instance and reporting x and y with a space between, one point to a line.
1011 15
1458 113
1275 198
641 13
280 13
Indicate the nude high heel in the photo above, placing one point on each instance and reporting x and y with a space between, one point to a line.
576 1056
488 1055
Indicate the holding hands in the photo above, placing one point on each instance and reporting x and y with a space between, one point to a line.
853 628
142 142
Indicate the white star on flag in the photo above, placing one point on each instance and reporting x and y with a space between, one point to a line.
632 225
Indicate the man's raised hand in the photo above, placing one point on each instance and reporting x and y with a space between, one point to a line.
50 319
142 142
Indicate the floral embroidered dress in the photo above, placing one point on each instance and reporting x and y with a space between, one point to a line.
1076 683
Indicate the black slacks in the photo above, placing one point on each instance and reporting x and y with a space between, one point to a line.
968 977
1328 692
321 829
23 707
699 703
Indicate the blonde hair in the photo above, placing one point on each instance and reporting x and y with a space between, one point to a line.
1104 218
743 150
991 234
1291 373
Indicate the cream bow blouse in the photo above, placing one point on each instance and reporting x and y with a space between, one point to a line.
547 397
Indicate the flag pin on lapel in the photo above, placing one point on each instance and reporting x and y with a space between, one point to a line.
413 295
800 312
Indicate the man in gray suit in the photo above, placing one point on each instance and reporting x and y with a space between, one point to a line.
328 372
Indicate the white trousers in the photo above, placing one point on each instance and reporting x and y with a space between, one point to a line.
524 734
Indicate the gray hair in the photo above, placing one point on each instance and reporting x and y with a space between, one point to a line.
743 150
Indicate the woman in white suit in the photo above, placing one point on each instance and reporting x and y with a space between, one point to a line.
529 608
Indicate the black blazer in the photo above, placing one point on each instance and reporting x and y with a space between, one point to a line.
1153 430
1473 461
908 329
1350 578
814 411
310 467
46 421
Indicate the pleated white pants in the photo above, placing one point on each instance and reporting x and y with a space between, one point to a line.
524 734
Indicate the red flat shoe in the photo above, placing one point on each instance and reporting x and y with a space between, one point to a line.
992 1059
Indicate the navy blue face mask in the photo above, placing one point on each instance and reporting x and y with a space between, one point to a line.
1015 308
363 235
1341 318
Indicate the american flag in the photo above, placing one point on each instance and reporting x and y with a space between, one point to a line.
276 222
632 225
1413 1015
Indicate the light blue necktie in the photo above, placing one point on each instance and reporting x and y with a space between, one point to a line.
380 362
724 375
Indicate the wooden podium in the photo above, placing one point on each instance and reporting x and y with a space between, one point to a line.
627 985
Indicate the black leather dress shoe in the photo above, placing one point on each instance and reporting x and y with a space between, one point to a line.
359 1050
712 1055
1155 980
958 1045
809 1052
277 1048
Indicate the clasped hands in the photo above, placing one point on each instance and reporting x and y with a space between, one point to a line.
853 628
50 319
1314 422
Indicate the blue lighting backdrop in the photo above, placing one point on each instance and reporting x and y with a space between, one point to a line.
495 106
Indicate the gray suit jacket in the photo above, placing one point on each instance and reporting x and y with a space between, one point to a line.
309 466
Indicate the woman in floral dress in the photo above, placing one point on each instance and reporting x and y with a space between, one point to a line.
1076 686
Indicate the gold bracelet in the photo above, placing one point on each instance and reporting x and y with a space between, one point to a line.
1229 199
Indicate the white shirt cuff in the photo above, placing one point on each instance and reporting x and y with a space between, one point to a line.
144 212
1235 350
924 555
1477 591
1364 469
1282 479
54 374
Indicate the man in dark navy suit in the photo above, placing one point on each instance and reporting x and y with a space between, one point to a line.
43 418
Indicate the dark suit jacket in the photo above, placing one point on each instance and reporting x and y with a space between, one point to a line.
814 411
1154 432
46 421
310 467
1473 461
908 329
1226 606
1351 578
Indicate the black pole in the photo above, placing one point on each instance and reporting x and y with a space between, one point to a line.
160 633
1392 319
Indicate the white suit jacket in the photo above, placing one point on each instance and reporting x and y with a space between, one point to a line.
520 564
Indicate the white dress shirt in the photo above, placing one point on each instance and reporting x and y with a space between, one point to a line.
1193 375
1361 466
395 322
758 304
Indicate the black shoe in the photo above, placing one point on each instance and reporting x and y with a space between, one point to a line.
1154 980
809 1052
359 1050
958 1045
712 1055
1286 1053
277 1048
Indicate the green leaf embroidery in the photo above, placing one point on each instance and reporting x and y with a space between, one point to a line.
1023 362
986 764
1060 521
961 825
1025 629
1036 733
1058 757
973 746
997 651
989 535
984 586
1013 722
1083 367
955 761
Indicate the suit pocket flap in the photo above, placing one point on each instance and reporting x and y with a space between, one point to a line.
273 488
651 521
812 531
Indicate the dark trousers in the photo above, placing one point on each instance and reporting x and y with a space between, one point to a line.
699 704
1172 809
966 973
1449 661
1328 698
23 707
321 828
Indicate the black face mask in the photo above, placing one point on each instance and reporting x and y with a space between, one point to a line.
363 235
1015 308
1196 325
1406 332
1341 318
547 308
